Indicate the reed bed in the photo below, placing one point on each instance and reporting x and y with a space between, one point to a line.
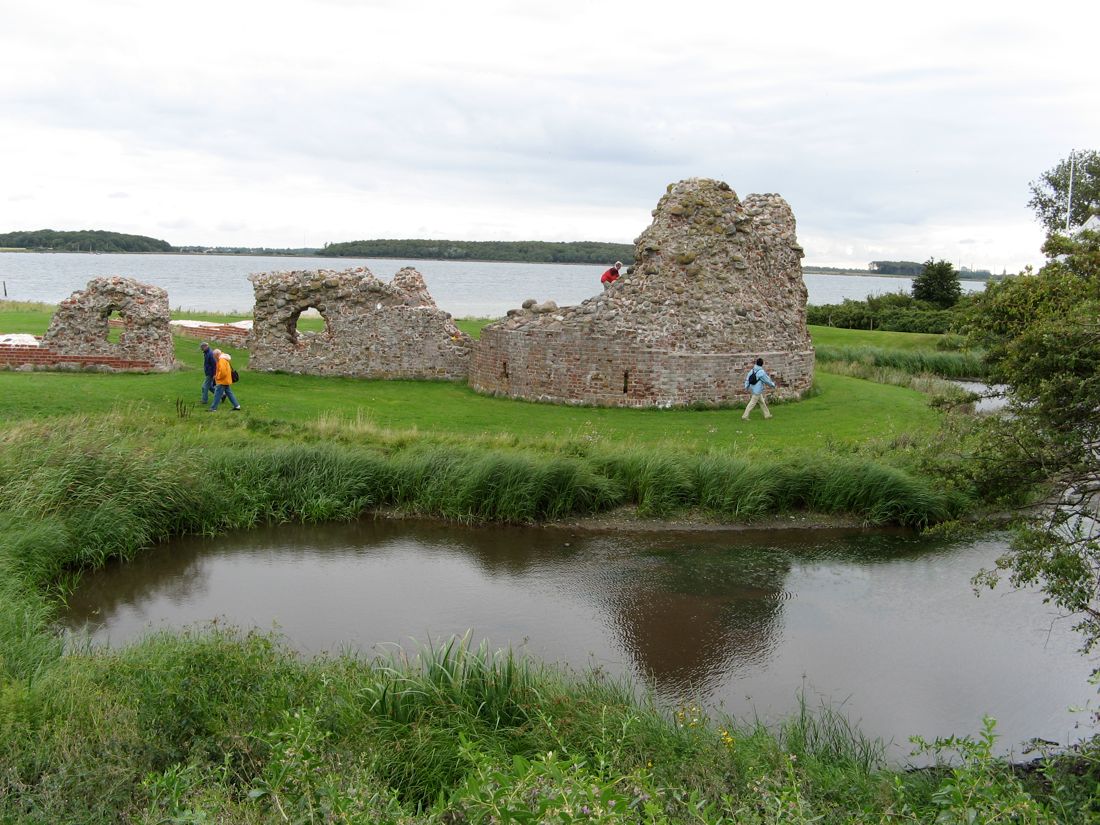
85 495
959 365
939 391
220 725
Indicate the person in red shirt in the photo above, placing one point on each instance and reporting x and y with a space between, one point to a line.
612 275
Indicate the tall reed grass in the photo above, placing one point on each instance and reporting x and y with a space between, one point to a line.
220 726
959 365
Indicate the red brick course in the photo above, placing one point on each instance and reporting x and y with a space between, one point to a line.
14 357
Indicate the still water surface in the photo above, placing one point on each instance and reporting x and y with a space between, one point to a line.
884 626
219 283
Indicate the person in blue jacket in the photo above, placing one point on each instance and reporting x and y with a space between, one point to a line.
209 366
755 382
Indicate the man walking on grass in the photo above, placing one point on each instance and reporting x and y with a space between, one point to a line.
755 382
209 366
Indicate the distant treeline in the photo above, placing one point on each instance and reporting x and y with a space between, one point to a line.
85 240
833 270
249 250
575 252
911 269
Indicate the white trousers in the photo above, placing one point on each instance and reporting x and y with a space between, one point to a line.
757 398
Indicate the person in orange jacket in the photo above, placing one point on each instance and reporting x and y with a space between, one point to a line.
223 382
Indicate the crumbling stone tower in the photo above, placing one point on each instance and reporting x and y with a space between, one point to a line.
78 330
716 283
372 329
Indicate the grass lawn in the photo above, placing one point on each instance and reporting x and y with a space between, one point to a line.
844 411
837 337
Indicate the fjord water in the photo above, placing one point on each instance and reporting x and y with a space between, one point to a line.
884 627
475 289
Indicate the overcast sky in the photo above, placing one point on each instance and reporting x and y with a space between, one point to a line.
894 131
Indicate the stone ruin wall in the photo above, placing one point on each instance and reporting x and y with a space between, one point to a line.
77 335
716 283
372 329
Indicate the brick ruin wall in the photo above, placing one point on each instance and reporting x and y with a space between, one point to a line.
716 283
372 329
77 335
550 366
229 334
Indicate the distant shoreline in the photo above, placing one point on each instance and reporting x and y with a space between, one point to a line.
811 270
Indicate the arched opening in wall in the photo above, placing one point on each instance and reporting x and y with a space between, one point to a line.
306 323
117 325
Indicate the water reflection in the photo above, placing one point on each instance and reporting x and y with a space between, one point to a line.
737 620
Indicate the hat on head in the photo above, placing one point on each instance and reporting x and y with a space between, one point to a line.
618 264
204 345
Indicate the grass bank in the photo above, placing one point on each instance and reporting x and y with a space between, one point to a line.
229 727
843 414
225 726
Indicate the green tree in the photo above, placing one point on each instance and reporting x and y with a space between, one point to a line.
1042 337
938 284
1050 192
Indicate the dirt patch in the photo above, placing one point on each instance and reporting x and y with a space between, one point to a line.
627 519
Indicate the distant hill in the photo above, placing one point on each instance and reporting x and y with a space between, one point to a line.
85 240
548 252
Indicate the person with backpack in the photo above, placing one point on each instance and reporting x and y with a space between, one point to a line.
223 380
755 383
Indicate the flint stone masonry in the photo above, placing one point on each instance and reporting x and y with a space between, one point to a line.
716 283
77 335
372 329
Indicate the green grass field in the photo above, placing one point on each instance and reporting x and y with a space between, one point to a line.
843 410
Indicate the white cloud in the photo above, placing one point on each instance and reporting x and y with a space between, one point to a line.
892 131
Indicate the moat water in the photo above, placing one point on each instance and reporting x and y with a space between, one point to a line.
884 627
